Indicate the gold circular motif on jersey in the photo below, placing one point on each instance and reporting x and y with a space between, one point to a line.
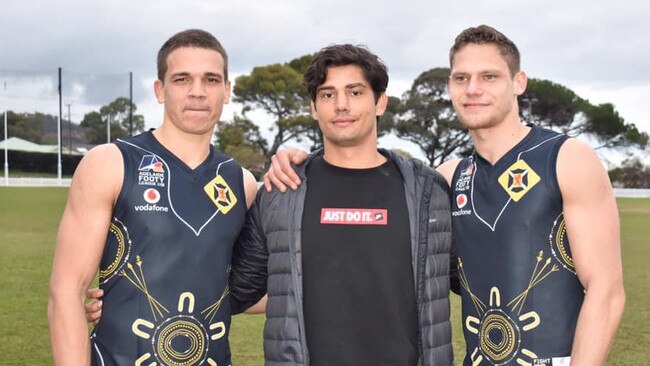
123 247
559 244
172 330
502 351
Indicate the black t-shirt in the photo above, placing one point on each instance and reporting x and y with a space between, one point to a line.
359 292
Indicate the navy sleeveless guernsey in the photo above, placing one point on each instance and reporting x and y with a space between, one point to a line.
520 293
165 265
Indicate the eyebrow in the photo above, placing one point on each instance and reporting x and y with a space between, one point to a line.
349 86
185 73
488 71
213 74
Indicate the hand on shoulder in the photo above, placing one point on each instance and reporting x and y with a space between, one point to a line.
281 174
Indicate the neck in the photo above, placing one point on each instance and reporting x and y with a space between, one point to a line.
191 149
353 157
494 142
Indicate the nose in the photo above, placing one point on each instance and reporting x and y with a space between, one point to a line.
474 87
342 102
197 89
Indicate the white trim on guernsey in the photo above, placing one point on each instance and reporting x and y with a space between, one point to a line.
196 232
475 211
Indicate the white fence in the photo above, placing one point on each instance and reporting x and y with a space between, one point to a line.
36 182
65 182
632 192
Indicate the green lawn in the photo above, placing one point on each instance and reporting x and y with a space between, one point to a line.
28 222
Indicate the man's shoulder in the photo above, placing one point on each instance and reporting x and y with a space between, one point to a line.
418 168
448 168
105 153
101 171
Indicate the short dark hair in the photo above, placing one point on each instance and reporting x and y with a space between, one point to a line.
484 34
190 38
342 55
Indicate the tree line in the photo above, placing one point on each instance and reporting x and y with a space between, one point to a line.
423 114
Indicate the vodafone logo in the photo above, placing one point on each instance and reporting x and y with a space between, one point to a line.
151 195
461 200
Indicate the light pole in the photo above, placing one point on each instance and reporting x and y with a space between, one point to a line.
69 104
6 142
108 129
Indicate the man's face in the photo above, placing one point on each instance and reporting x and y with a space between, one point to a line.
345 108
194 90
482 90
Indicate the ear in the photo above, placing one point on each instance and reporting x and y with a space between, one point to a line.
159 89
382 104
521 81
314 115
226 94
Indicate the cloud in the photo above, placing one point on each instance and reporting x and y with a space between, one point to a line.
578 44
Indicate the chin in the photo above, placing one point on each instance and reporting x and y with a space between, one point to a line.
477 123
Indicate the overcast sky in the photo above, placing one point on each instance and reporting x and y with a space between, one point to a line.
600 51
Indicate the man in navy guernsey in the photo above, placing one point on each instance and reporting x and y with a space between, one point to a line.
534 221
158 215
358 257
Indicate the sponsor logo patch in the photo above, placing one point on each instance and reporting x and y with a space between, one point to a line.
353 216
518 179
461 200
151 171
554 361
151 208
461 212
220 194
151 163
468 171
151 195
465 178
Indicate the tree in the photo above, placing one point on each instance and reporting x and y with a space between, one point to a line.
426 117
117 112
554 106
631 174
241 139
278 91
610 128
551 105
27 126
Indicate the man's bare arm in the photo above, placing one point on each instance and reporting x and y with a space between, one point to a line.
250 186
593 230
80 242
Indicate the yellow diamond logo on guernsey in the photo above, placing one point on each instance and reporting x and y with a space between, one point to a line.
220 194
518 179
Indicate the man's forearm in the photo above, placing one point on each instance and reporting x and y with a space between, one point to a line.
68 332
598 321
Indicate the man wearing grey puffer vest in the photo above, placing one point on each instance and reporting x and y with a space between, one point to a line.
356 261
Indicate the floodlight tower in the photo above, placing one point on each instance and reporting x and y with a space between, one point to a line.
6 142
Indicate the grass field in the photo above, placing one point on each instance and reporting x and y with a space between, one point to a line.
28 222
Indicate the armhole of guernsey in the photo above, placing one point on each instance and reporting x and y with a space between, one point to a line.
242 186
239 178
552 183
127 182
462 164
